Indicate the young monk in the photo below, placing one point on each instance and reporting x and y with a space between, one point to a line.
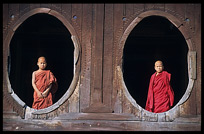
44 84
160 96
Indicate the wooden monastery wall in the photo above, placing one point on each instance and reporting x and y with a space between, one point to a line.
100 31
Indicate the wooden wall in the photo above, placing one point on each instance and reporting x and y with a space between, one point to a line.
99 28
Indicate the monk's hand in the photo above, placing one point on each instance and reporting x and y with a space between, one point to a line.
45 94
39 94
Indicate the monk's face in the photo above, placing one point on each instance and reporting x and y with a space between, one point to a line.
158 66
42 63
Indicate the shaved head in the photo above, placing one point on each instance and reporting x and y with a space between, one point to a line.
159 62
41 58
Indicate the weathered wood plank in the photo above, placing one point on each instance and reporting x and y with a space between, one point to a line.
5 19
77 17
190 16
159 6
198 49
13 13
178 10
96 88
98 125
67 11
138 8
107 55
33 6
129 10
96 116
117 28
127 106
45 5
86 55
24 8
148 6
74 101
57 7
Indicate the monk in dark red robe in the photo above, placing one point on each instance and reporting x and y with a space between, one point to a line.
44 84
160 96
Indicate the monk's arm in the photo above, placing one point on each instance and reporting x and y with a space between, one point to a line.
39 94
45 93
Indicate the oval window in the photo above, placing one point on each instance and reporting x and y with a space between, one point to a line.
40 35
154 38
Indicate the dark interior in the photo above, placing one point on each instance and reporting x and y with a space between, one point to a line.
40 35
154 38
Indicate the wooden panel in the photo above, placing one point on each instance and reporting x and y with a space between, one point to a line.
77 16
96 87
149 6
170 8
33 6
13 13
45 5
97 116
107 55
197 39
138 7
67 11
176 9
5 19
159 7
74 101
127 107
86 55
118 27
24 8
190 14
57 7
180 11
129 9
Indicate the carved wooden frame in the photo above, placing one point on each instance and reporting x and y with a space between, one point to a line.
21 108
185 30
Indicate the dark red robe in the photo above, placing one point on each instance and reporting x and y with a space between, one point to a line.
42 81
160 96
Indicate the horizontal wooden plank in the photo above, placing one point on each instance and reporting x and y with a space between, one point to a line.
96 116
98 125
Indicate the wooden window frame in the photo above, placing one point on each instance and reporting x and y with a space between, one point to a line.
174 112
22 109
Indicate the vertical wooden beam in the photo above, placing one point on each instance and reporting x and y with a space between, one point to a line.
86 54
107 55
99 102
117 32
197 36
96 90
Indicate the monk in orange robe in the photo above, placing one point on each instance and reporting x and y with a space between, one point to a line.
160 96
44 84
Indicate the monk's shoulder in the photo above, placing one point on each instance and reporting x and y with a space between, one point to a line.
168 75
34 72
165 72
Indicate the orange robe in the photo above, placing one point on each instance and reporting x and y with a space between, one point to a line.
42 81
160 96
